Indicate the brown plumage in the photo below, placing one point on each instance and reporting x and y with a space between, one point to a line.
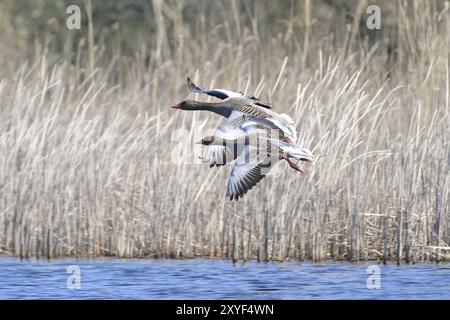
255 154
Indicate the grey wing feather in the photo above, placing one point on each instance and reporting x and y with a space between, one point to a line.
215 93
250 168
224 94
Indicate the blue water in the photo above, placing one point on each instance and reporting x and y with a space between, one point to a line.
217 279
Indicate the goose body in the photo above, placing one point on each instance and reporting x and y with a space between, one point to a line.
255 155
239 110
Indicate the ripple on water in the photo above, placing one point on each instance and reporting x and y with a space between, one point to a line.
217 279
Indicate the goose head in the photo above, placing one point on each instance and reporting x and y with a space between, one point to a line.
187 105
206 141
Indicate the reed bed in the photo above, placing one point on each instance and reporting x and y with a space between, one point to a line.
93 162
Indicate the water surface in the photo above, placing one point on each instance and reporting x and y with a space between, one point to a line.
217 279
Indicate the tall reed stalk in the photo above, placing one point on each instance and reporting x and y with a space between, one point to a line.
86 143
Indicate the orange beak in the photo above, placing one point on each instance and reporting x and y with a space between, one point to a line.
177 106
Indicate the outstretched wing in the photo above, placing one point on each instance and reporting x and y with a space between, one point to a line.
218 93
272 119
249 120
224 94
251 167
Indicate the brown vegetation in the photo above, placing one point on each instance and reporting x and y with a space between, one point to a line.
85 140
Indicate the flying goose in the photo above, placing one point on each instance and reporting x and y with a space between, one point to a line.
219 154
240 110
257 154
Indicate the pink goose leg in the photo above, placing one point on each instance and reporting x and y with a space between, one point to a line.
293 165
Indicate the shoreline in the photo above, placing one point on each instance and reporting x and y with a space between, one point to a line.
390 262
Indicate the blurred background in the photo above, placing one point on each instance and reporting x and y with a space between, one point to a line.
196 29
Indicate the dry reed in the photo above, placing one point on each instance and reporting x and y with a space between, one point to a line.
86 144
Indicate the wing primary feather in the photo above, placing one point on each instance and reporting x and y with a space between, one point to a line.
194 88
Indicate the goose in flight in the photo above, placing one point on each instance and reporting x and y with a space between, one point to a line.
219 154
240 110
255 154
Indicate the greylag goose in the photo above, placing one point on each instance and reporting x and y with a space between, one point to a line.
219 154
240 110
257 154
